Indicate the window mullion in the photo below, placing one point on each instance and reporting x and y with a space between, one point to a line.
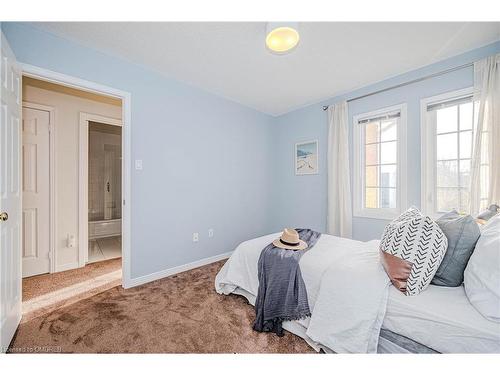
379 169
458 159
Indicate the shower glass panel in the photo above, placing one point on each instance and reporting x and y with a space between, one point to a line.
105 160
112 182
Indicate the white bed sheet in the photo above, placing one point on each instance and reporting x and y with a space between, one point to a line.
347 289
442 319
241 269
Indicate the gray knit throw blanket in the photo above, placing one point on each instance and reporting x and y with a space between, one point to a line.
282 294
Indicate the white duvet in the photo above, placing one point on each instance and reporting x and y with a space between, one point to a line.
346 285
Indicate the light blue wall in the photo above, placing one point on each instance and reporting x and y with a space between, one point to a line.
301 200
205 158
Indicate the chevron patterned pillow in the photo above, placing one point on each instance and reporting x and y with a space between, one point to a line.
419 244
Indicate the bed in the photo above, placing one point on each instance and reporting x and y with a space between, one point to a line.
372 315
443 319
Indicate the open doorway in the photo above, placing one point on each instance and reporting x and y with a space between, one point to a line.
72 168
104 192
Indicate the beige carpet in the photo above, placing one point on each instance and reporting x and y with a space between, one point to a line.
36 286
43 294
178 314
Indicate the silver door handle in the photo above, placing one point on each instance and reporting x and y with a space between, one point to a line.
4 216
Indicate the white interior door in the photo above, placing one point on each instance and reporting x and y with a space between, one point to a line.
10 195
36 192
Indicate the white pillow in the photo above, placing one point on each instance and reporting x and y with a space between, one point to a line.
420 243
482 274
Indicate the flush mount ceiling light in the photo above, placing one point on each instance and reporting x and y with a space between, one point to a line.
282 37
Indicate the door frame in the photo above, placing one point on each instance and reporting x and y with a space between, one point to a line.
83 180
52 178
80 84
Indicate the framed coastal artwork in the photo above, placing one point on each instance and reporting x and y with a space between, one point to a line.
306 158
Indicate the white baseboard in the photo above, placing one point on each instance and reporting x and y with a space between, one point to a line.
67 266
172 271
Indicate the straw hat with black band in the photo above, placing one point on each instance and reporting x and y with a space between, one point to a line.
290 240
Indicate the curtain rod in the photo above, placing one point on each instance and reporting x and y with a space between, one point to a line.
325 107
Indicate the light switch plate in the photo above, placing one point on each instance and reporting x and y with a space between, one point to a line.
210 233
195 237
138 164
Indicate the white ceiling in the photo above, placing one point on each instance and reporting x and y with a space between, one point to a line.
230 59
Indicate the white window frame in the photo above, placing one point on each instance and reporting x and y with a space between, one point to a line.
359 173
428 149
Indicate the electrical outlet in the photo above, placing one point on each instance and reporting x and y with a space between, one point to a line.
210 233
195 237
71 241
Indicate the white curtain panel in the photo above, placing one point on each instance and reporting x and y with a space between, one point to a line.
487 139
339 221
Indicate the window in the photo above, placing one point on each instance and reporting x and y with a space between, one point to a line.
448 134
379 189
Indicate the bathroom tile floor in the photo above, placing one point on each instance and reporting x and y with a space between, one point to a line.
105 248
